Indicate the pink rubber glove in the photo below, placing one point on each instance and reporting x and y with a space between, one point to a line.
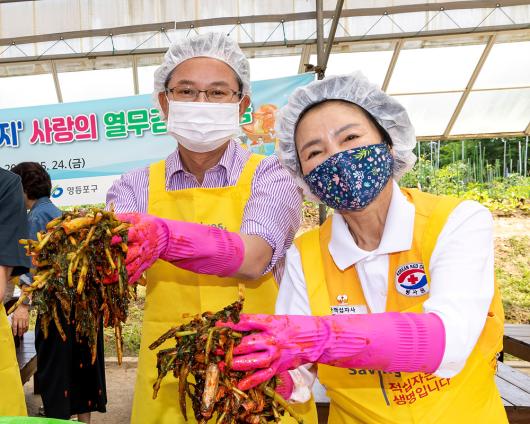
389 341
285 385
146 241
194 247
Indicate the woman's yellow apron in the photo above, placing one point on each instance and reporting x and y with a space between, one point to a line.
371 396
12 401
173 293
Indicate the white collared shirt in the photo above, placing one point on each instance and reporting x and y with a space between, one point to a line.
461 269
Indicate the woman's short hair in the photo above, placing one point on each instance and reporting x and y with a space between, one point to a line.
36 181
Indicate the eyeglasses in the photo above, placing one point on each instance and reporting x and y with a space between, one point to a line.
189 94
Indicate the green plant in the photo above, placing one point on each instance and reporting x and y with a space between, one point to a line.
132 329
504 196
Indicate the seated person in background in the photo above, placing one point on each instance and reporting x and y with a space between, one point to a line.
36 184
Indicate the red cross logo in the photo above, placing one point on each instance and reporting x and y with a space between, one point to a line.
412 279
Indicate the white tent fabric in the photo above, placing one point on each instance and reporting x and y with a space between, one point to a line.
36 17
460 67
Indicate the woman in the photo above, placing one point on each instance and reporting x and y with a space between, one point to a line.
406 320
69 383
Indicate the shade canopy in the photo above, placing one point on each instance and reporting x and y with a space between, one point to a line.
460 67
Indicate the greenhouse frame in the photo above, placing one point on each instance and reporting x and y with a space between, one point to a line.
461 68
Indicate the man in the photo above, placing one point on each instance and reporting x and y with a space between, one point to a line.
13 262
250 207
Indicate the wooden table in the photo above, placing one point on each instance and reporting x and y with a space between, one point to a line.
27 356
514 387
517 340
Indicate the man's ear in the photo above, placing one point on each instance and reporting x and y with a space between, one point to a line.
243 105
162 99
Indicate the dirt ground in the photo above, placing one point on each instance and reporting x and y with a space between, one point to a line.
120 391
512 227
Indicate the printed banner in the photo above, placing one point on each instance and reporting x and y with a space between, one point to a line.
85 146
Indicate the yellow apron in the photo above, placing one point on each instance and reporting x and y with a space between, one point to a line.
12 401
173 292
369 396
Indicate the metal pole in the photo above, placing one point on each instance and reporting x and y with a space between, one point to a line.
430 145
479 162
463 150
304 58
504 159
322 212
525 156
56 82
331 35
320 38
438 159
135 75
520 167
484 161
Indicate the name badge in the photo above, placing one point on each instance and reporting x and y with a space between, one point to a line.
411 280
348 309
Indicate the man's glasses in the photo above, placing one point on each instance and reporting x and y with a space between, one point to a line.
190 94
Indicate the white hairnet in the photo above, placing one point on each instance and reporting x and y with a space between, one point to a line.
354 88
215 45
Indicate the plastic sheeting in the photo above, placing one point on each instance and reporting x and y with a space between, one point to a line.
27 90
373 64
273 67
494 111
99 84
59 16
434 69
508 65
430 113
429 76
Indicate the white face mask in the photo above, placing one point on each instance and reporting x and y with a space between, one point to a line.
202 126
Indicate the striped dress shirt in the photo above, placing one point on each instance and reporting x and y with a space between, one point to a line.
272 212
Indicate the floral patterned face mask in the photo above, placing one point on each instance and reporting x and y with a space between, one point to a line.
352 179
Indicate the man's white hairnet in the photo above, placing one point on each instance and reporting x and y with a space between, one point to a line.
354 88
215 45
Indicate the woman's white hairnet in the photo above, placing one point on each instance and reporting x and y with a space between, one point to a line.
215 45
354 88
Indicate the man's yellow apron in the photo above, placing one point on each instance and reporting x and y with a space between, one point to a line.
368 396
173 292
12 401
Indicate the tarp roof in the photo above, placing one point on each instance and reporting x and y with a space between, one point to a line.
462 68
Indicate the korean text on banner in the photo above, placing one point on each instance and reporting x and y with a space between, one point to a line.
85 146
